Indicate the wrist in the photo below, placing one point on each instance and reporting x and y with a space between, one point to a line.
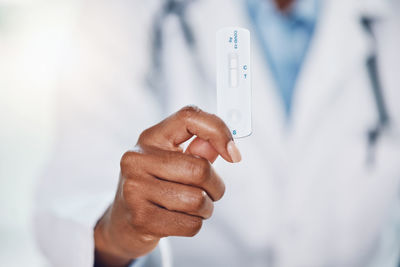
107 254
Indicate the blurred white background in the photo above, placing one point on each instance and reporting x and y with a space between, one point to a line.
32 34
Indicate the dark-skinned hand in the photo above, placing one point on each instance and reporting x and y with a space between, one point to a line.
163 190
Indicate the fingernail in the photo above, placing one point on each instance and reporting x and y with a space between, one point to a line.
234 152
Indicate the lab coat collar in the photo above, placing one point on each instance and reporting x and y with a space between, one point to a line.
339 48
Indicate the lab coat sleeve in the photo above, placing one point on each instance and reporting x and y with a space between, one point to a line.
161 255
94 127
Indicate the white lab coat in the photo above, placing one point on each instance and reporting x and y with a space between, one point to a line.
303 195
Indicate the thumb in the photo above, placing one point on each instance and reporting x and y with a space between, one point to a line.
202 148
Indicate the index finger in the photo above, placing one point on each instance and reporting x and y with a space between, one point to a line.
187 122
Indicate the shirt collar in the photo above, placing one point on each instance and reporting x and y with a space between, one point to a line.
305 11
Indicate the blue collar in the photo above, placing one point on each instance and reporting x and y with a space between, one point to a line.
305 11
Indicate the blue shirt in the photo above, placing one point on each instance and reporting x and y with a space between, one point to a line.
285 39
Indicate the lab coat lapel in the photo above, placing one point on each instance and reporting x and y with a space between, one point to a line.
338 48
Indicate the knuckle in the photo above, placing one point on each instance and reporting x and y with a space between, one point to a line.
220 127
221 192
210 212
219 123
126 192
128 158
188 111
204 171
201 170
145 135
139 217
199 200
130 188
125 159
194 226
218 120
132 164
133 193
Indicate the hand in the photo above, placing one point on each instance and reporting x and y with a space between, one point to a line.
163 191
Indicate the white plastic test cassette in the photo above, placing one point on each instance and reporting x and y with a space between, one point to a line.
234 80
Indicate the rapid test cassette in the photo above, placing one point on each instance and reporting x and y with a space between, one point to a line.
234 80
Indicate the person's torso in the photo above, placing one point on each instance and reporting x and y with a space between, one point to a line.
304 194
